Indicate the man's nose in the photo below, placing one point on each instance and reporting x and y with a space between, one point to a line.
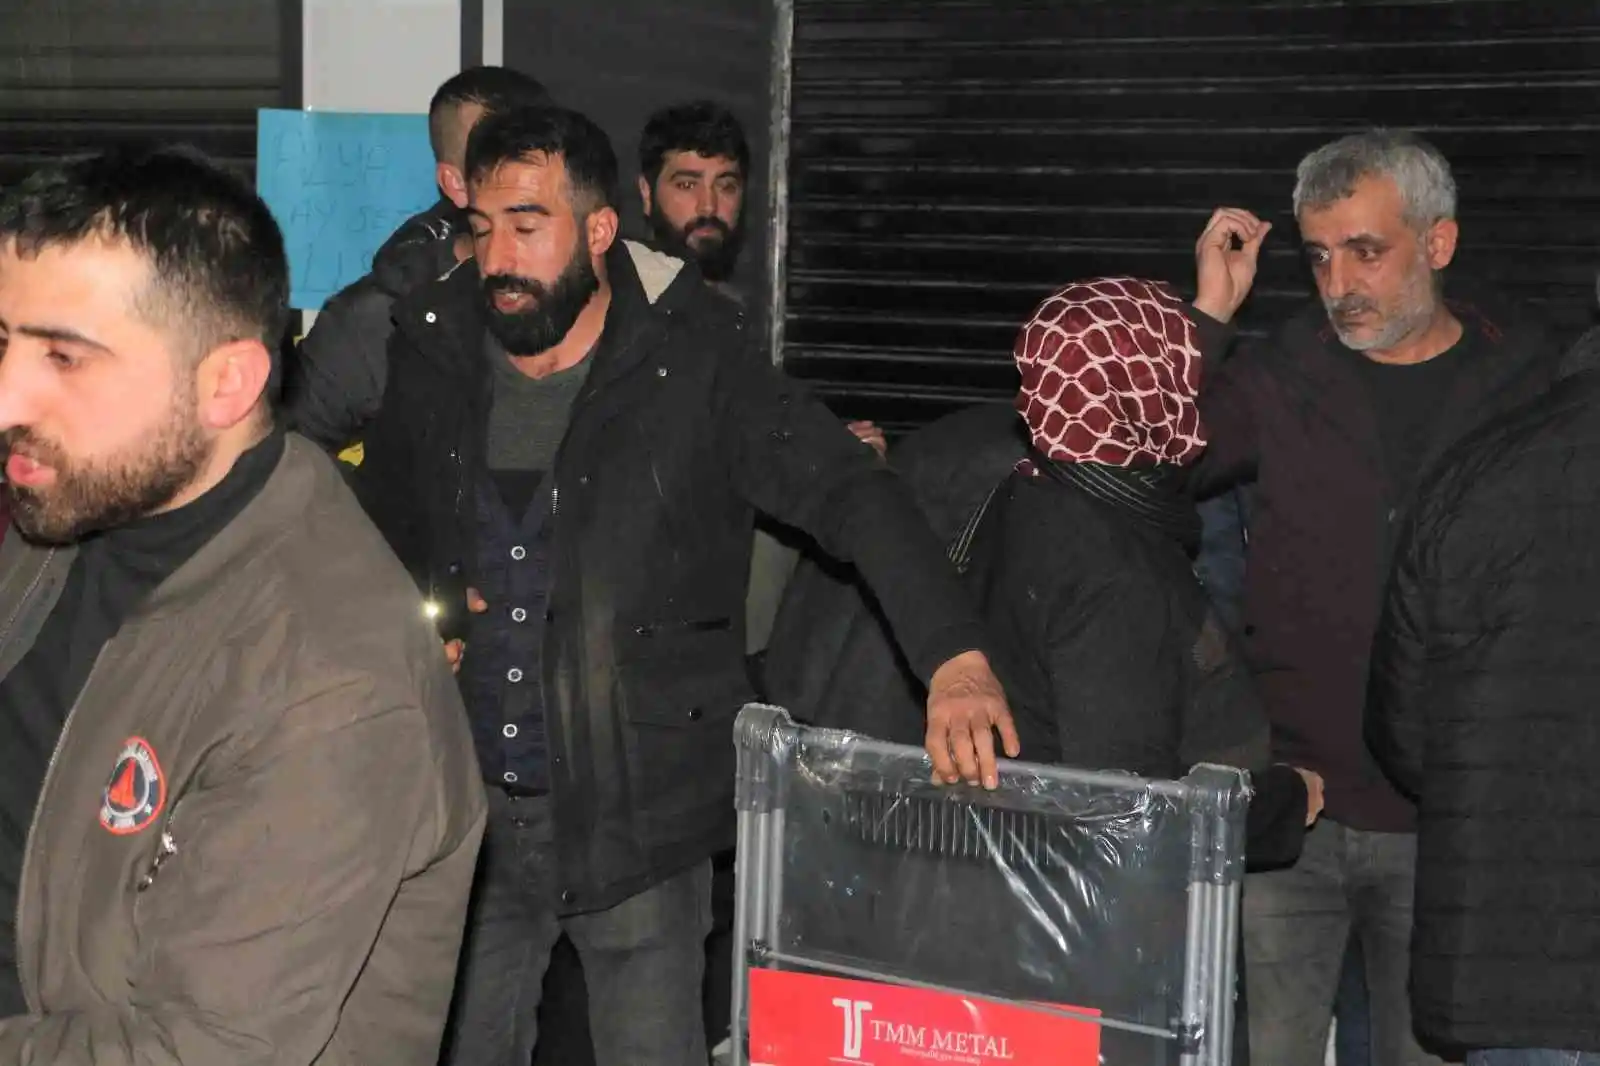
16 396
707 201
500 257
1337 278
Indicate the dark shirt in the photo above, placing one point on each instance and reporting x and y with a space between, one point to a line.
1407 399
527 420
111 576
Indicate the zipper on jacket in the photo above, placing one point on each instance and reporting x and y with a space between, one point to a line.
585 398
33 823
27 594
461 477
164 851
459 462
456 461
457 519
701 625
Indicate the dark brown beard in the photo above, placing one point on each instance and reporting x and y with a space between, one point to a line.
555 309
716 260
92 498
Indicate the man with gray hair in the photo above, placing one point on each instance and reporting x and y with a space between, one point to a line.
1337 418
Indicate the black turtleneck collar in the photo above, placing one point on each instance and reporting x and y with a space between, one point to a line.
142 554
116 571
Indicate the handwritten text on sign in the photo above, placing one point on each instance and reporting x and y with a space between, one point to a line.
799 1019
339 184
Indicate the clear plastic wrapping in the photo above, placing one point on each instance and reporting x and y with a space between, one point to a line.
1096 910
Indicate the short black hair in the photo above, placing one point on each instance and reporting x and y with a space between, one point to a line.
555 131
218 268
699 126
495 89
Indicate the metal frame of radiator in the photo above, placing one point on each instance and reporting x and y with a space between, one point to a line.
767 741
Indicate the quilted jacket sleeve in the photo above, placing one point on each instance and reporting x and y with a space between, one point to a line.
1396 724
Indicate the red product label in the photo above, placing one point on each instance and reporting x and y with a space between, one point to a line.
799 1019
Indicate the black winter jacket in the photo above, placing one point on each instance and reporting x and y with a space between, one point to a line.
679 431
338 376
831 660
1486 708
1114 657
1294 416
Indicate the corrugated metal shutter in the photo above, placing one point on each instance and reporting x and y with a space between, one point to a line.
953 160
76 75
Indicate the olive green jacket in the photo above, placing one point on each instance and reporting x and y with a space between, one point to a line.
256 837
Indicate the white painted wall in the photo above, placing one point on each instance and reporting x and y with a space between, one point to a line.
494 32
378 55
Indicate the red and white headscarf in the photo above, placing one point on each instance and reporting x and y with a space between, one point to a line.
1110 368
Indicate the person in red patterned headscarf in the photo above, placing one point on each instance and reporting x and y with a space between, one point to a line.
1110 369
1111 652
1082 558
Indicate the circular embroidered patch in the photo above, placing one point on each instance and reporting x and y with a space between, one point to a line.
137 791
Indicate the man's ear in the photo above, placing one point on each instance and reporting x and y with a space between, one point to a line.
452 183
1441 242
601 231
230 382
644 195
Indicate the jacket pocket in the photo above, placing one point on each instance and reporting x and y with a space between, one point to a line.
156 878
678 723
658 646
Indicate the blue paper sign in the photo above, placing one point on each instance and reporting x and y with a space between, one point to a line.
339 184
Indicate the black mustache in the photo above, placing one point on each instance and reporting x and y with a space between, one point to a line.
708 221
19 440
511 283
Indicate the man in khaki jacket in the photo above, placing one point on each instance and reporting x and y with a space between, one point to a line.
239 809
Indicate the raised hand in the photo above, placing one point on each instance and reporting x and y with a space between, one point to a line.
1224 273
869 434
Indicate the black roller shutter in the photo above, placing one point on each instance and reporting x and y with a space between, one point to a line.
77 75
951 161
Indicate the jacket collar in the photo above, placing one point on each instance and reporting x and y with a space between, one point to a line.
1503 331
445 319
1510 360
647 289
